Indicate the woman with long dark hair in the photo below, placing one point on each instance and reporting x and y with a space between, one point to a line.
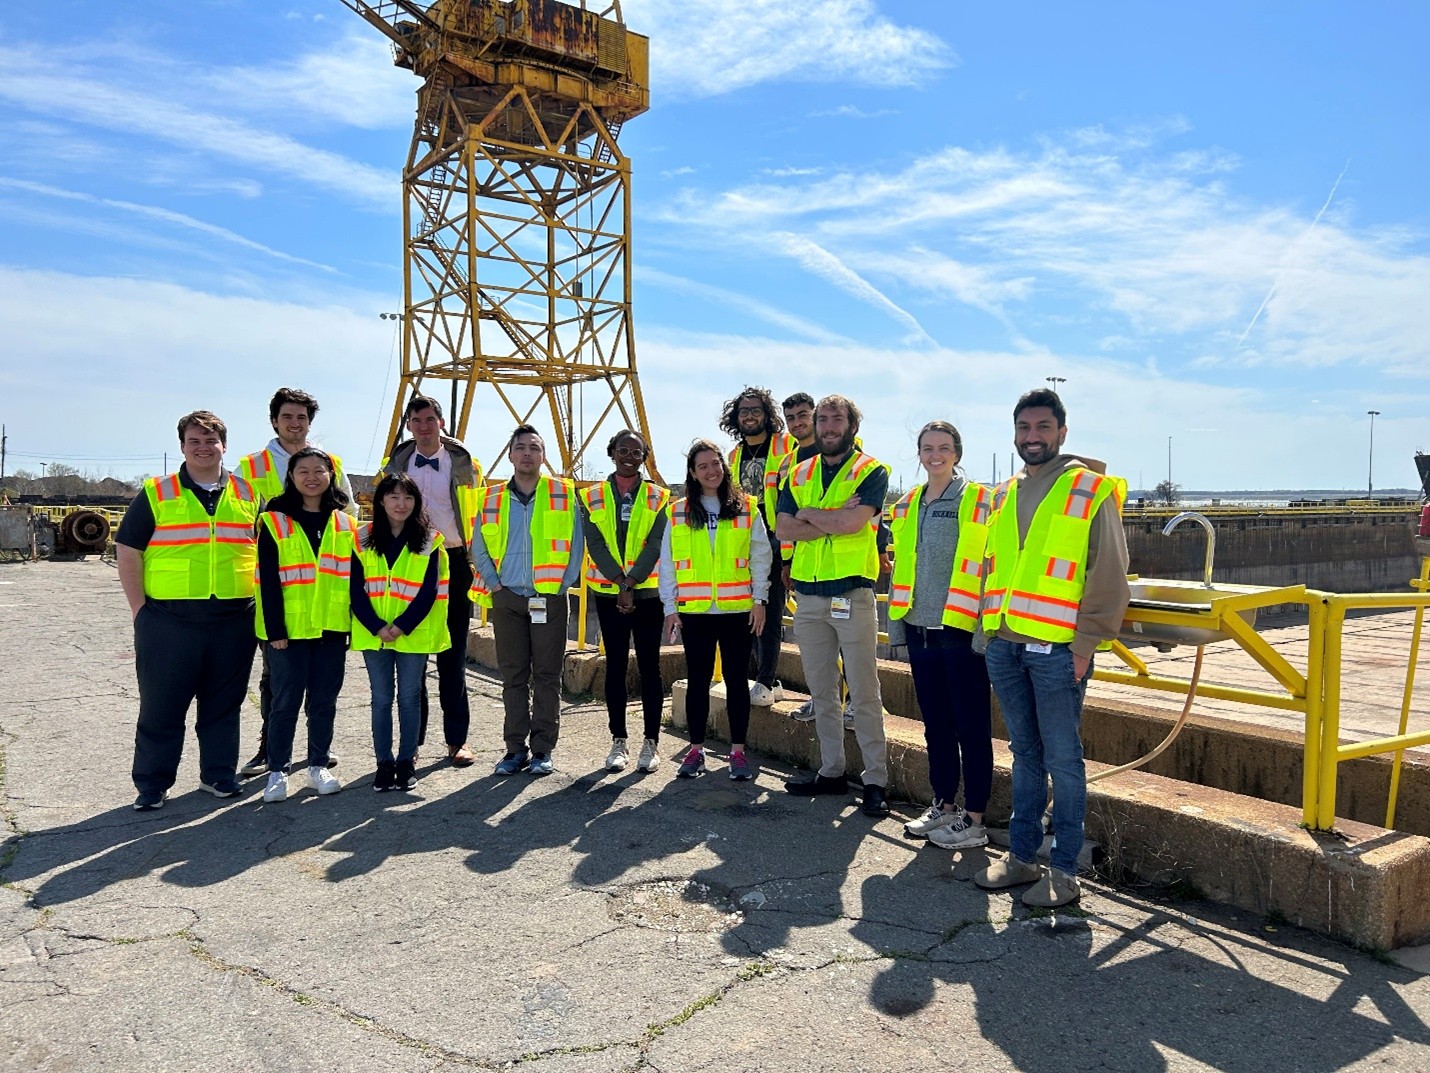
940 529
305 545
714 579
624 519
399 590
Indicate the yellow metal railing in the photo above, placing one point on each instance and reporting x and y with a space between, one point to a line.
1314 692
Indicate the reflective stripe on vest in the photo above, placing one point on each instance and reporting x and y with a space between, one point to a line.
712 579
314 584
834 557
261 470
193 555
1036 588
553 527
392 590
644 510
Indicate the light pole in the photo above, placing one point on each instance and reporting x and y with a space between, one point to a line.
1370 463
1056 380
1169 463
44 469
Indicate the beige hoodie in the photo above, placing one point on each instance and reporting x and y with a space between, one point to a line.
1104 599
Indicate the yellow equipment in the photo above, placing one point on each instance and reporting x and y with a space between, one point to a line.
516 206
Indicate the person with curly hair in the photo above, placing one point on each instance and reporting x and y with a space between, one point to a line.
753 418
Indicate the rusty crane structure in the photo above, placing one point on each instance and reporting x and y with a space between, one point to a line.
516 210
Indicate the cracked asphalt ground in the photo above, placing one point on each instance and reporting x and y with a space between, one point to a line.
582 923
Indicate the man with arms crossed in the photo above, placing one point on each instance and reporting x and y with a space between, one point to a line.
825 509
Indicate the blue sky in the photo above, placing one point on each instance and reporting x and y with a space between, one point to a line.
1210 219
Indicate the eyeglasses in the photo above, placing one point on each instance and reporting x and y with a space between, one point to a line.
750 411
630 452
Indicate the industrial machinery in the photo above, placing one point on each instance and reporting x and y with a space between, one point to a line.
516 207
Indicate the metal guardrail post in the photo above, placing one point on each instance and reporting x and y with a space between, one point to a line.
1422 584
1315 707
1330 714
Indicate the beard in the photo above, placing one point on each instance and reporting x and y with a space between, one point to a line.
1035 454
840 449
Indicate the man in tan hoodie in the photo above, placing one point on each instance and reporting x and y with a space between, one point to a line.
1054 589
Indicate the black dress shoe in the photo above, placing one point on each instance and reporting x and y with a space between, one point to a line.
817 785
876 804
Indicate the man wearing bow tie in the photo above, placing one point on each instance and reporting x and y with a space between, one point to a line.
451 482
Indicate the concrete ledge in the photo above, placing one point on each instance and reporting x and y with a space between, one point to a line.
1362 885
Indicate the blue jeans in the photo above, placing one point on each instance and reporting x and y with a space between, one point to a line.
1042 708
409 669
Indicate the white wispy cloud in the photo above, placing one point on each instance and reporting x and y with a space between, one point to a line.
162 215
1161 245
755 307
41 84
851 111
716 46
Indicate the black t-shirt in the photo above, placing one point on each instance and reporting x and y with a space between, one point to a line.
752 469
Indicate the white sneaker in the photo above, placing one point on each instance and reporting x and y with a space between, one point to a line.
962 833
323 780
762 696
649 758
931 820
804 713
617 758
849 715
277 788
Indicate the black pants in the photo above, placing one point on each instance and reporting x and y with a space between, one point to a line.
309 675
179 661
644 625
951 683
452 664
767 644
702 633
265 699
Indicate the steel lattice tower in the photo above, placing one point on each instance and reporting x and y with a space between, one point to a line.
516 212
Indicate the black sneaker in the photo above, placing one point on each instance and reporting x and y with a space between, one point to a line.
255 767
224 787
817 785
406 775
150 800
386 777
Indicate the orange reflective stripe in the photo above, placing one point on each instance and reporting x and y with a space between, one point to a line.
805 470
743 520
300 574
655 496
678 513
971 567
559 497
1054 612
172 535
964 604
233 533
1081 495
336 565
167 488
683 564
982 507
262 463
1063 569
376 586
861 463
596 497
442 587
742 564
240 488
552 574
561 545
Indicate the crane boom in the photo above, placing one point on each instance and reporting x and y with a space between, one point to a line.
386 14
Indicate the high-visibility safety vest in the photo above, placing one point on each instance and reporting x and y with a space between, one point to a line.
601 505
960 608
780 444
391 589
262 470
845 555
315 587
706 578
194 555
553 524
467 479
1037 588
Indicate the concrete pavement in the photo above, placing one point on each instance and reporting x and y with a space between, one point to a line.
581 923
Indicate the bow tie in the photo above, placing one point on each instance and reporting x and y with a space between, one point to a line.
419 462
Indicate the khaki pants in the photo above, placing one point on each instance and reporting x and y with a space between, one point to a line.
529 657
821 639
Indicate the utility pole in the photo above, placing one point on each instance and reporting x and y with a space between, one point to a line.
4 439
1169 463
1370 463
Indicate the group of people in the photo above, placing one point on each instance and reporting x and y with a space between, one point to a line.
1006 590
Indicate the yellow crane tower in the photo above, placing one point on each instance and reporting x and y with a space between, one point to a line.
516 212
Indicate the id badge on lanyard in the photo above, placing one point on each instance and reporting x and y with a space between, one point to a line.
839 607
537 606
